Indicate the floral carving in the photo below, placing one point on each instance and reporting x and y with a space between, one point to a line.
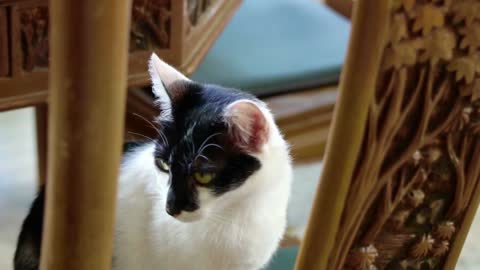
418 169
466 10
413 264
399 29
427 18
441 248
445 230
472 90
151 24
34 37
408 4
415 197
398 220
363 258
401 54
422 247
465 67
471 37
438 45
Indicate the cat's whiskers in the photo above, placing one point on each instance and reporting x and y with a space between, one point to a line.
200 153
211 144
143 136
202 156
207 139
192 144
164 138
204 146
159 132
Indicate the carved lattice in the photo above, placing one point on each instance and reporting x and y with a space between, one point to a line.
34 37
151 24
420 160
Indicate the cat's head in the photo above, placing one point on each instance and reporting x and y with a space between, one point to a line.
212 142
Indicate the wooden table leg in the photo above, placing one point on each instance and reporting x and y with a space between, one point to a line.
41 115
88 69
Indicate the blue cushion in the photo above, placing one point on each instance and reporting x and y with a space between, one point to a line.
271 46
284 259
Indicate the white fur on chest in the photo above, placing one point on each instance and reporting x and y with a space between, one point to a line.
242 236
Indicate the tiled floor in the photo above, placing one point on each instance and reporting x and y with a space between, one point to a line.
18 182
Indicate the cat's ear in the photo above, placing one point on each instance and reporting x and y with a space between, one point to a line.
163 78
247 125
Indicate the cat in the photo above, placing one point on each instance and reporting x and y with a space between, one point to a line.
210 193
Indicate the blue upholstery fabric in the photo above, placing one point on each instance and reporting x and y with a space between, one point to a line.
271 46
284 259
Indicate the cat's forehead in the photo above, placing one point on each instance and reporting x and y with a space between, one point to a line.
201 106
198 112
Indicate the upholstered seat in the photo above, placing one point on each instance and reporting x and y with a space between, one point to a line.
284 259
272 46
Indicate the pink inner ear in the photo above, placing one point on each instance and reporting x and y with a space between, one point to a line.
248 126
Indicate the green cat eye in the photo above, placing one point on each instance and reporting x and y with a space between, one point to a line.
203 178
162 165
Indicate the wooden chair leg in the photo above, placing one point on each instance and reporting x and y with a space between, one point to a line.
404 190
41 115
320 236
88 68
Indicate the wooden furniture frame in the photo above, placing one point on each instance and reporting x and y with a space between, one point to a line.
180 32
88 79
401 178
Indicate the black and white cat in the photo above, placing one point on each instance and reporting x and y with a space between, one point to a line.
211 193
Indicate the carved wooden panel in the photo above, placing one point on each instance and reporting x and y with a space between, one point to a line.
157 25
151 24
419 165
4 44
196 8
34 37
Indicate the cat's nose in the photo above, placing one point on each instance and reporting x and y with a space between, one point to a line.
172 211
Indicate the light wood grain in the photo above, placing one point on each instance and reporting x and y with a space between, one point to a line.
407 197
89 49
41 125
356 90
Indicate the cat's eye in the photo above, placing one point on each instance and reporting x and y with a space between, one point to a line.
203 177
162 165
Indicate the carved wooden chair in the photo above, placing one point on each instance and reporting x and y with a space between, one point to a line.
400 184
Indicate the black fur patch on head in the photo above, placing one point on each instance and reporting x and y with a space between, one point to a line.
198 142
